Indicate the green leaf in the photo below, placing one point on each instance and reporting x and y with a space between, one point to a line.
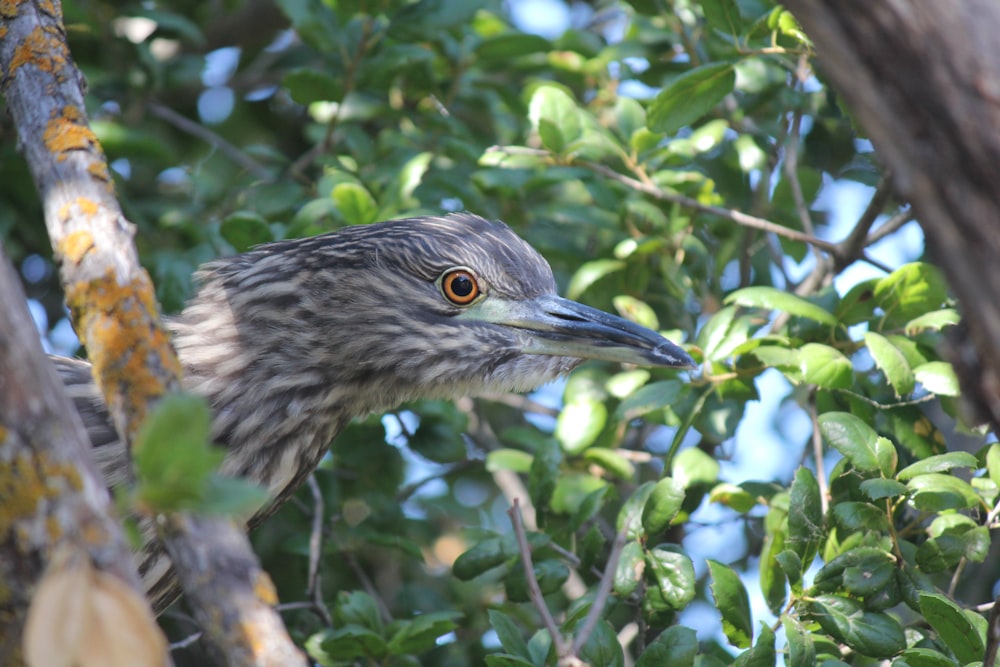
993 463
723 15
654 396
885 452
872 634
851 437
955 629
879 488
693 467
602 647
732 601
630 515
690 96
938 463
662 506
589 273
355 203
579 423
924 657
504 47
630 570
762 654
507 660
483 556
543 474
349 642
676 646
358 608
857 516
673 575
416 20
307 85
772 298
892 362
636 310
825 366
508 459
508 634
938 377
555 116
610 460
935 492
732 496
831 576
805 515
932 321
174 460
723 333
772 577
550 575
910 291
801 651
420 633
791 564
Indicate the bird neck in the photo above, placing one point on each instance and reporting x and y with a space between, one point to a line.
276 406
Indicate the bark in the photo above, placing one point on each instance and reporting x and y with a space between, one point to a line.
923 79
115 313
51 497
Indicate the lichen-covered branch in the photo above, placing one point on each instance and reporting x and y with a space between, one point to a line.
52 497
115 313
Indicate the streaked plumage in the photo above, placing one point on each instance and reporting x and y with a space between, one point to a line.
293 339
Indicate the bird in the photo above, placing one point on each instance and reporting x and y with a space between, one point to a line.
291 340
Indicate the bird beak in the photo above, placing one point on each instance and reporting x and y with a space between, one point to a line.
564 328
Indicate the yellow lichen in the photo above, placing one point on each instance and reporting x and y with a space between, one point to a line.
44 47
9 8
264 589
99 170
68 131
87 206
25 482
132 356
76 245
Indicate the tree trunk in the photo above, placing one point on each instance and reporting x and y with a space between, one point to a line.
922 77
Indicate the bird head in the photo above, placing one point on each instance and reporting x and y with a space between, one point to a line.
431 307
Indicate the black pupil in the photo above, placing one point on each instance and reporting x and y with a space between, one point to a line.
461 285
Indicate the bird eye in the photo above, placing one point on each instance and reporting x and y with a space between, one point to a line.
459 286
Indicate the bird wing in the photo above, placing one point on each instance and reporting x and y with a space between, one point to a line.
106 448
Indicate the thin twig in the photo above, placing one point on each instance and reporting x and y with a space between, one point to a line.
522 403
562 649
791 169
992 636
315 548
890 226
603 593
852 246
362 577
184 643
733 215
316 534
817 442
211 138
956 576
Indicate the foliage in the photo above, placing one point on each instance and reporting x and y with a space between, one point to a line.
620 147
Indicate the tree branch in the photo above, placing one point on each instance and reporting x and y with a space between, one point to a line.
53 498
115 312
